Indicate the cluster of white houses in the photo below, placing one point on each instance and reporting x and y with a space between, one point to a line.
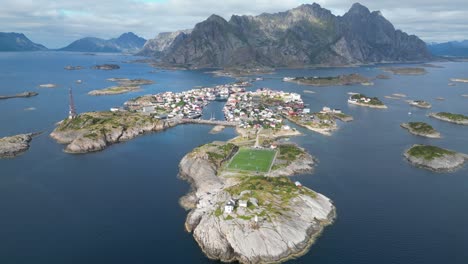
232 203
262 107
359 100
186 104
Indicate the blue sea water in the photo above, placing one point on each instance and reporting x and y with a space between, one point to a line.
121 205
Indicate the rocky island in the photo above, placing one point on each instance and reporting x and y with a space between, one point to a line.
106 67
452 118
405 70
421 129
460 80
47 85
240 214
363 100
20 95
124 86
236 72
73 68
94 131
330 81
15 145
435 158
420 104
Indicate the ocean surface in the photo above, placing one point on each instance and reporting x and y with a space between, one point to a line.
121 205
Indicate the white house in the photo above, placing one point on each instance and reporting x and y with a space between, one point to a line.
229 207
298 184
306 110
242 203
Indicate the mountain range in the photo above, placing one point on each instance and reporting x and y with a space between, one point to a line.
306 35
18 42
127 42
452 48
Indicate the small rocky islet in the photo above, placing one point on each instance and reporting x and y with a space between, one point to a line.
346 79
458 119
125 85
421 129
106 67
405 70
420 104
435 158
13 146
364 100
20 95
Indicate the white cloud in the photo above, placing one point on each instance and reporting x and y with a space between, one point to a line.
57 23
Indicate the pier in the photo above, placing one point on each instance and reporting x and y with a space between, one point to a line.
208 122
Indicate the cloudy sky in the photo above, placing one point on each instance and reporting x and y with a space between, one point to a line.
57 23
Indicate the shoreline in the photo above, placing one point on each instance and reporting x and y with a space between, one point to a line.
413 132
368 105
322 131
445 119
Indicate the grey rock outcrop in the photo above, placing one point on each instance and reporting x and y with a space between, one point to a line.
96 131
306 35
15 145
441 163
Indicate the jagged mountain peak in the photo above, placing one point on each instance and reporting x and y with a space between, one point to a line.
358 9
305 35
216 18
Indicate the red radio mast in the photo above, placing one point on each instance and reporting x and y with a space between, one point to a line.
72 110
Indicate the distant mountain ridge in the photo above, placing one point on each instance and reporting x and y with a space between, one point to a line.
18 42
306 35
127 42
452 48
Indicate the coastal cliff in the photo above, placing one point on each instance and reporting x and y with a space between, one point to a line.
287 223
95 131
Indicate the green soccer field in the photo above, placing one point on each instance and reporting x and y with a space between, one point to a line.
252 160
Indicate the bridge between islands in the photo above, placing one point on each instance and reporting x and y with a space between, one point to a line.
209 122
174 122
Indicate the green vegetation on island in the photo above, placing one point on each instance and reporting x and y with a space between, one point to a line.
348 79
450 117
428 152
94 131
103 121
287 153
265 190
420 104
124 86
363 100
405 70
435 158
421 129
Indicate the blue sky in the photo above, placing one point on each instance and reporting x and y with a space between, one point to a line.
57 23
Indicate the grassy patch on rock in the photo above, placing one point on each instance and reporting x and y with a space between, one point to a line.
428 152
